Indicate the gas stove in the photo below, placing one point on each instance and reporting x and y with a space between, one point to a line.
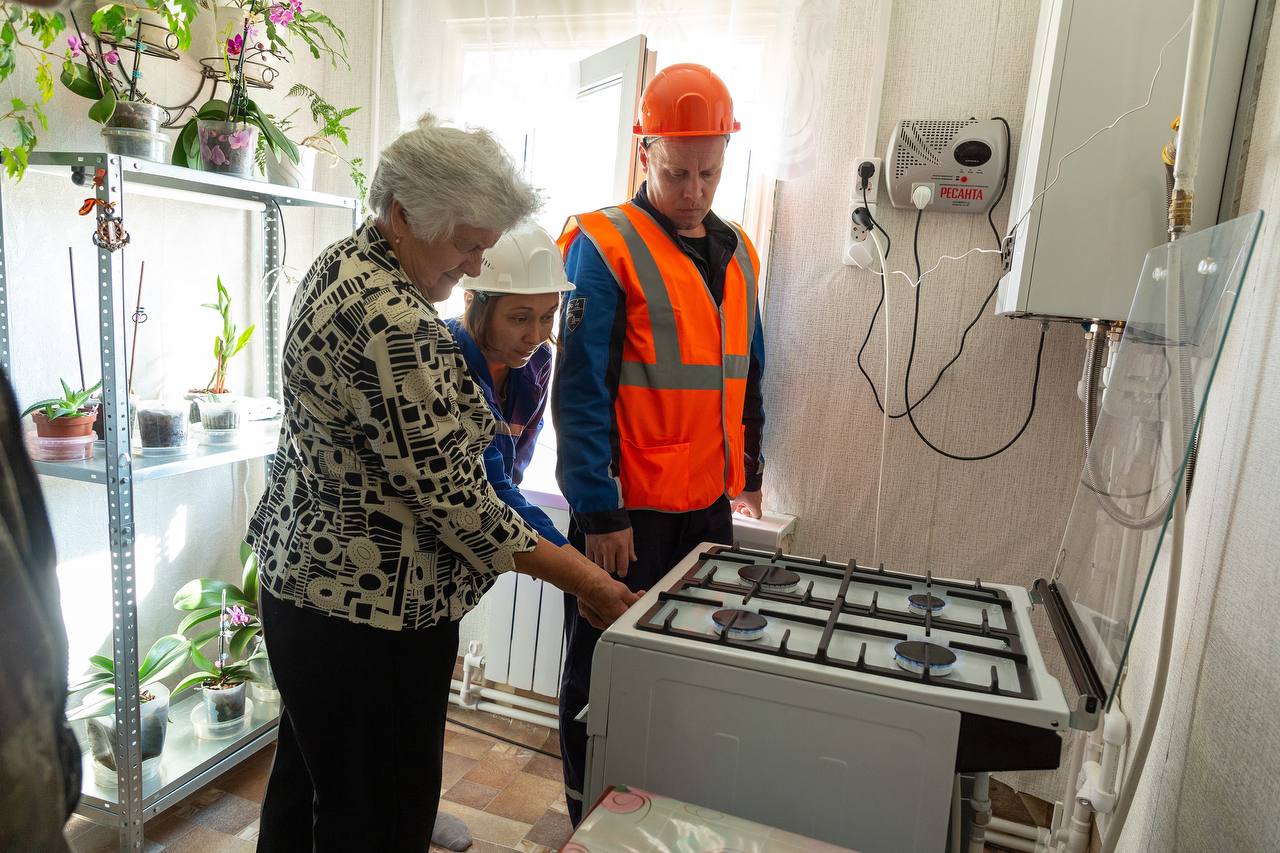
828 698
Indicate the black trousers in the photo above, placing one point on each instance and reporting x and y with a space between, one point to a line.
361 741
662 539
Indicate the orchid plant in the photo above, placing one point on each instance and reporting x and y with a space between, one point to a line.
165 657
202 599
236 610
102 74
281 22
89 68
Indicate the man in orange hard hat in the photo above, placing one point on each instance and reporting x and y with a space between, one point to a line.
656 399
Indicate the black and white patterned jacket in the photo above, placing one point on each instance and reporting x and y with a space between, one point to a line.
377 509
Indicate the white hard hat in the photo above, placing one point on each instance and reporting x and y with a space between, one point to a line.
524 260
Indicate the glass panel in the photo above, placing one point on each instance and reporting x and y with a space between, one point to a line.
1157 379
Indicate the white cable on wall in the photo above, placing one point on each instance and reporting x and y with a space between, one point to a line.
884 413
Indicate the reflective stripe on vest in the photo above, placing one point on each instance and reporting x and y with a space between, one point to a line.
662 408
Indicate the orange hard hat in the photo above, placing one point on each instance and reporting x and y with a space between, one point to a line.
686 100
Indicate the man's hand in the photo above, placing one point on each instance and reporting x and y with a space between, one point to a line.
612 552
749 504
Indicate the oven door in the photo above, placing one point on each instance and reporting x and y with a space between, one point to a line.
855 769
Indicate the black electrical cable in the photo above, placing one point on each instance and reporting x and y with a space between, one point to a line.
502 738
906 382
1004 182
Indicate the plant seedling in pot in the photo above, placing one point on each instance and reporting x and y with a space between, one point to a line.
72 414
222 679
225 346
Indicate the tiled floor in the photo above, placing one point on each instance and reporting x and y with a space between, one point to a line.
510 797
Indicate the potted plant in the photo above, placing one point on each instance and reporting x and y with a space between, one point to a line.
224 135
69 416
222 679
132 125
330 130
97 707
225 345
162 427
201 600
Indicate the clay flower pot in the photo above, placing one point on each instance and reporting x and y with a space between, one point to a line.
67 426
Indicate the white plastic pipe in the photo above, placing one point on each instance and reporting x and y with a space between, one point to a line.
507 711
501 697
1021 830
1195 93
1013 842
981 801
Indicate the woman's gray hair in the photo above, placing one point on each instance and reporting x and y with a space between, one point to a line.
445 177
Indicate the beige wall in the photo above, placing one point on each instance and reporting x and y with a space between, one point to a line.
999 519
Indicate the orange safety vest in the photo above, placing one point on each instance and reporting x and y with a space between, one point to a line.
683 378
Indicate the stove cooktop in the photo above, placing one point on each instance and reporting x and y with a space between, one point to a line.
952 643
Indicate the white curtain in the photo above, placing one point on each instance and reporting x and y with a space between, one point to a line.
510 65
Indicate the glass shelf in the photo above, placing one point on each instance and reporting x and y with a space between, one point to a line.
259 439
1158 380
141 174
187 764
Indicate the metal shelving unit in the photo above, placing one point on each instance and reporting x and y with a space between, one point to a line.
188 762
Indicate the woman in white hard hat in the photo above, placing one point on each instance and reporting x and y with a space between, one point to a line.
505 335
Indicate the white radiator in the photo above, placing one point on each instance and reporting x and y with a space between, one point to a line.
525 643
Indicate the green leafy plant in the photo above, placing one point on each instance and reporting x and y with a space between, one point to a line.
103 76
286 20
201 599
70 403
227 344
166 656
18 136
330 127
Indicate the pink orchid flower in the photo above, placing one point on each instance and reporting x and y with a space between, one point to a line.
241 138
238 615
281 15
112 57
297 6
76 45
235 44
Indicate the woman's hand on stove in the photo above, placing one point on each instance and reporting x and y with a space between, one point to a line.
601 600
614 552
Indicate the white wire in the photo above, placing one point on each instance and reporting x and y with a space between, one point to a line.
1151 88
884 414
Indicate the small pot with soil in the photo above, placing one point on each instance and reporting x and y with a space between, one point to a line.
223 704
196 395
162 427
219 419
101 734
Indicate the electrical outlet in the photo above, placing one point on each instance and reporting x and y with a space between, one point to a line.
872 181
858 249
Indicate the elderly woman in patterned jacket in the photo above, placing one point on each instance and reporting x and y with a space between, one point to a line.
379 529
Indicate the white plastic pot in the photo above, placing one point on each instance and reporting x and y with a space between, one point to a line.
287 173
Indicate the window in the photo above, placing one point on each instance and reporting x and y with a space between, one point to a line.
561 93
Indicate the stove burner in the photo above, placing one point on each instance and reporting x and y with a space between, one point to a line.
917 656
748 625
923 602
770 578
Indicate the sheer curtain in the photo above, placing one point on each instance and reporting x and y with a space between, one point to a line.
512 66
